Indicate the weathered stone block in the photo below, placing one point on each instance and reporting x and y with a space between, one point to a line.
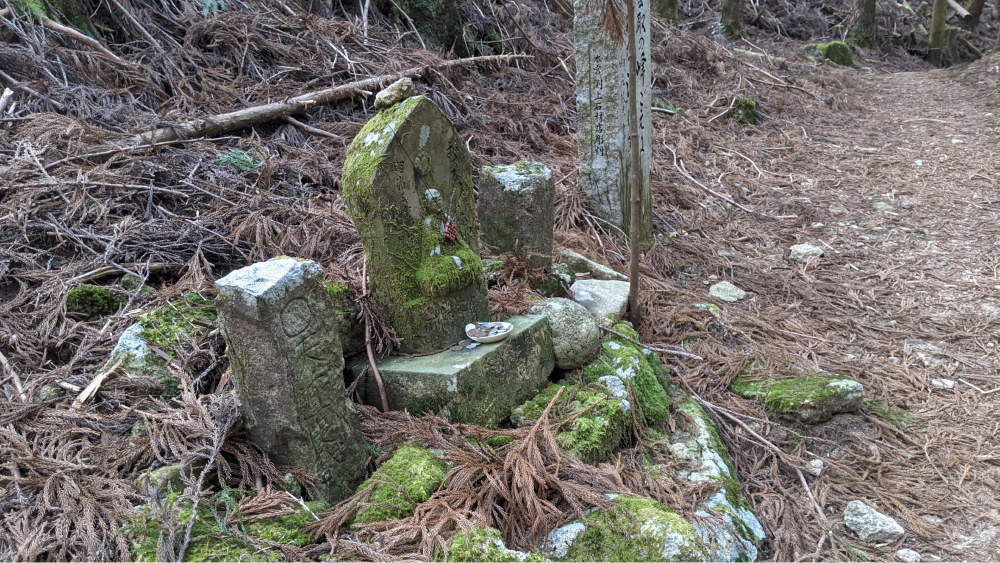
516 210
603 116
281 334
605 299
408 187
576 337
811 399
478 386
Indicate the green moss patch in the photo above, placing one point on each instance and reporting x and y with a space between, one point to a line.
212 540
837 52
653 533
631 365
903 420
407 479
177 321
93 301
744 110
810 399
483 544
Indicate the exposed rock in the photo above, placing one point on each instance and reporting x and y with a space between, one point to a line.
837 52
811 399
561 277
943 383
576 338
803 252
583 265
908 555
516 210
908 204
408 186
165 479
282 339
815 467
605 299
481 385
485 544
395 93
871 525
727 292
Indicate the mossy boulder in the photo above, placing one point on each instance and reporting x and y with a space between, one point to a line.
576 338
837 52
211 539
593 436
484 544
176 324
633 366
92 301
407 479
811 399
654 532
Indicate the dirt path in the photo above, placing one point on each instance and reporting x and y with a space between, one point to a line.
907 294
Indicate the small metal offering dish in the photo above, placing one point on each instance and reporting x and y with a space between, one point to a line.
488 332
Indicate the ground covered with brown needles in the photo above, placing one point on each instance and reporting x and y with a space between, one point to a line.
900 297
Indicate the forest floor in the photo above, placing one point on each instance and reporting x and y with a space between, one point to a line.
889 166
904 294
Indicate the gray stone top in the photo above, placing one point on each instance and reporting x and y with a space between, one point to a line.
516 177
265 280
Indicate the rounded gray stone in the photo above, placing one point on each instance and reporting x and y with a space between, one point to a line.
576 338
803 252
871 525
395 93
605 299
727 292
908 555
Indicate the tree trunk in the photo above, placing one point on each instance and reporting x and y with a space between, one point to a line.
635 237
996 46
975 11
937 35
864 29
732 18
667 9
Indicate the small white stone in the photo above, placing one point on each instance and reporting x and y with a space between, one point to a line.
815 467
908 555
726 292
871 525
943 383
803 252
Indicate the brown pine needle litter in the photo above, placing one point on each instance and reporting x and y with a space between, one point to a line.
76 208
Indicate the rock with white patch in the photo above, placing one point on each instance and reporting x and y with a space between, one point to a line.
804 252
395 93
727 292
908 555
603 298
871 525
516 210
576 338
943 383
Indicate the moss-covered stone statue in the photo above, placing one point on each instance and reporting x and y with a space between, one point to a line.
408 187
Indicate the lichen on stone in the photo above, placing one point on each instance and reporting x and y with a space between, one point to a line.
171 324
413 469
93 301
628 362
809 399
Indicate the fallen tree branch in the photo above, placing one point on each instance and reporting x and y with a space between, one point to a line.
70 32
232 121
30 91
94 385
960 11
311 129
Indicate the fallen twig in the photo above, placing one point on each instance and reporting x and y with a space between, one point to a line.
31 91
94 385
239 119
311 129
13 377
5 99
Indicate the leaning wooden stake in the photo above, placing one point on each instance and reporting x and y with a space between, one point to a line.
368 343
937 35
635 205
226 122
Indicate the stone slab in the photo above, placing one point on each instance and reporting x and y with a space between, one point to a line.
581 264
602 115
516 210
478 386
603 298
281 332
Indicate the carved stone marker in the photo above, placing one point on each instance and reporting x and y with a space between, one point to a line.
516 210
281 335
408 187
603 118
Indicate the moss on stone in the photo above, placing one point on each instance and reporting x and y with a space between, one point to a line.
559 278
71 12
413 469
169 325
837 52
93 301
336 290
654 533
623 359
811 399
211 540
744 110
483 544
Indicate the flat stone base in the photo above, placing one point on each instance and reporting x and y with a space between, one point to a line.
478 386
